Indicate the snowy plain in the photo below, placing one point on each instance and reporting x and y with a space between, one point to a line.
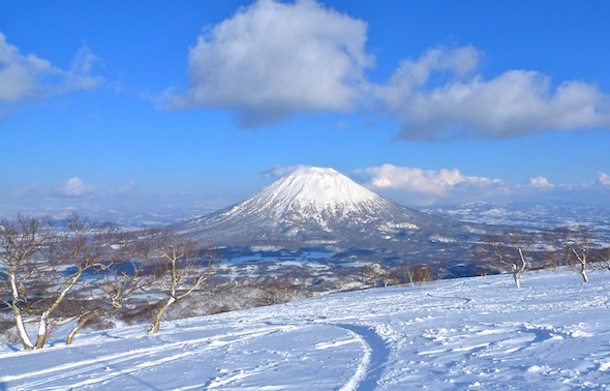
470 333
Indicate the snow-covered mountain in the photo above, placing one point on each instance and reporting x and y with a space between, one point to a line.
320 207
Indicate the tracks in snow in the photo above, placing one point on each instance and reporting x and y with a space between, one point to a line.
374 361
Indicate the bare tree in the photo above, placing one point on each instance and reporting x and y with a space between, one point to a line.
45 265
418 274
376 274
79 248
578 245
117 287
126 276
185 268
510 252
20 243
603 259
274 291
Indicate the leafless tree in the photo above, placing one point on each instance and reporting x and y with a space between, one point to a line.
574 246
79 248
376 274
126 276
603 259
274 291
185 268
510 252
44 265
419 273
578 246
20 244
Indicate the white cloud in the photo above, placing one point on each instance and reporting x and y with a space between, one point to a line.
516 103
417 186
79 76
74 187
124 189
28 190
604 179
273 59
280 171
541 183
28 76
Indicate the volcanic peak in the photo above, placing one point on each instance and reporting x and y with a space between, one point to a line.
316 187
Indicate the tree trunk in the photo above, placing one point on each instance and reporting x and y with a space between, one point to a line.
42 331
583 273
25 338
157 321
44 318
582 260
518 270
517 278
82 322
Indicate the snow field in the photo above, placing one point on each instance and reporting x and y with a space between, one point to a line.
476 333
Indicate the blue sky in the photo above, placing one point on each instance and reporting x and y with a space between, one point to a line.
138 105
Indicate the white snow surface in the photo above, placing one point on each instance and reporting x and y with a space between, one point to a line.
317 186
477 333
315 189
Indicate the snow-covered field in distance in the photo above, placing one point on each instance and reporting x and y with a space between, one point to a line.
475 333
533 214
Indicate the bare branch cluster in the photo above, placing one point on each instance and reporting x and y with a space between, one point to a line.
183 268
87 271
511 252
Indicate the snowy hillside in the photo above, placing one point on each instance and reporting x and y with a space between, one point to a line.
476 333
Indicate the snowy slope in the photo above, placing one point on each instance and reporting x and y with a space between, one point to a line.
478 333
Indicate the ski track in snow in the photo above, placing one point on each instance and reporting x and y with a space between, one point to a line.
374 361
479 333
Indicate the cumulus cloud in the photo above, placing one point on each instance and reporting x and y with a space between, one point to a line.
541 183
418 186
28 76
273 59
415 186
74 187
465 104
